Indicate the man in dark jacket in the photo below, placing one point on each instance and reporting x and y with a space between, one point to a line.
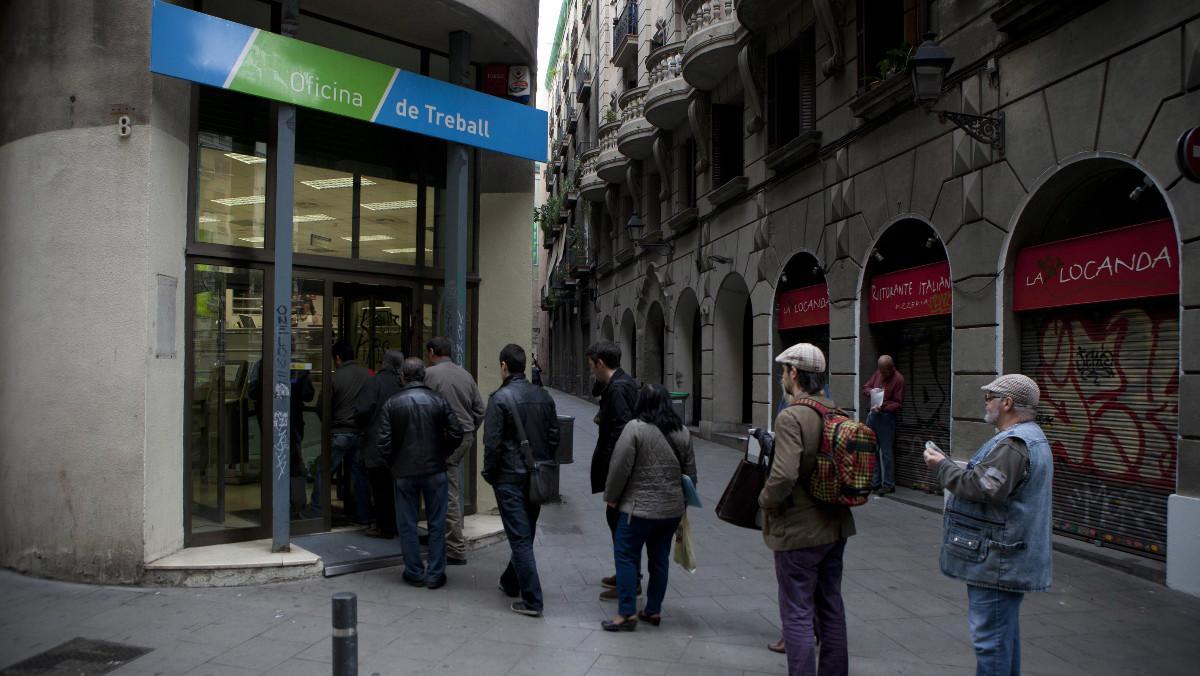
618 401
379 389
417 432
505 468
346 432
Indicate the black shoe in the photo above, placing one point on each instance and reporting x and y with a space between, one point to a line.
509 594
520 608
435 584
884 490
626 624
451 561
655 619
415 583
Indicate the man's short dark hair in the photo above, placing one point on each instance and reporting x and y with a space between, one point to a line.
342 350
811 383
440 345
607 352
513 356
413 370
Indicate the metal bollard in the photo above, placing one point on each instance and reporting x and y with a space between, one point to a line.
345 634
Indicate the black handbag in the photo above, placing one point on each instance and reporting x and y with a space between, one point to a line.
543 474
739 503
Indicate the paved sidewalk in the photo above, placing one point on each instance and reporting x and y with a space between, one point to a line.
903 616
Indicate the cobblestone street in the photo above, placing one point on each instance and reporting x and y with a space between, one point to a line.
904 616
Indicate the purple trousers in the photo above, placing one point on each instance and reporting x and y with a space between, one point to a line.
810 601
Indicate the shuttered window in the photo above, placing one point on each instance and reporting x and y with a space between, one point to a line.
727 150
1109 376
791 91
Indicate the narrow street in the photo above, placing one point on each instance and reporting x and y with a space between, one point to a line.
904 616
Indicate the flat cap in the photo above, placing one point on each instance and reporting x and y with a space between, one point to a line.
804 356
1021 388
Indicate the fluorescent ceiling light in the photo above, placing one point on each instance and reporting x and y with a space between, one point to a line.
370 238
246 159
253 240
308 218
344 182
241 201
383 206
409 250
208 219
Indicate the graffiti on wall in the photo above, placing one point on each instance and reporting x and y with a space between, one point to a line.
1110 407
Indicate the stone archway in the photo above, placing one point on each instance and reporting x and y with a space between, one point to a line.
606 330
733 349
686 350
627 339
654 346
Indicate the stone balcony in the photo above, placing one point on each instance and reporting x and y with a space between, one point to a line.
711 48
610 165
667 100
591 188
635 137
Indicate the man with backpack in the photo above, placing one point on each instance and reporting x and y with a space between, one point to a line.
808 536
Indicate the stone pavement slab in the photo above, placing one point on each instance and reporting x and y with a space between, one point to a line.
904 617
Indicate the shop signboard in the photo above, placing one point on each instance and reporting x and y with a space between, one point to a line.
806 306
924 291
219 53
1139 261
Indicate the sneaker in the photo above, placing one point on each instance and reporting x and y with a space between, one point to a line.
520 608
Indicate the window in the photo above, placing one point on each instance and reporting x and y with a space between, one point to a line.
791 91
887 32
727 149
231 169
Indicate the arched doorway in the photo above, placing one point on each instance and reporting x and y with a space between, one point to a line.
606 329
801 313
908 298
654 352
1093 316
628 343
733 356
686 352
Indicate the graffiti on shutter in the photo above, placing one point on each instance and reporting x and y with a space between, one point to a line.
922 355
1109 376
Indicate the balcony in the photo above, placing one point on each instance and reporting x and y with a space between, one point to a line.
711 48
760 16
572 119
583 78
591 188
610 165
635 137
625 33
667 100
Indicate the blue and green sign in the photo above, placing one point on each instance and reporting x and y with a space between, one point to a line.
219 53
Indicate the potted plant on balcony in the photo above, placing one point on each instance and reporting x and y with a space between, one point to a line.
894 62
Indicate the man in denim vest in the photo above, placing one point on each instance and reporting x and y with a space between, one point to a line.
997 524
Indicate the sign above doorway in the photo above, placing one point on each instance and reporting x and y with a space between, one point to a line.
1139 261
924 291
806 306
212 51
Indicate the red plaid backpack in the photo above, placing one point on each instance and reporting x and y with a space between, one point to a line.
846 459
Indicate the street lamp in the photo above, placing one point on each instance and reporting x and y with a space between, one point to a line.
634 228
928 67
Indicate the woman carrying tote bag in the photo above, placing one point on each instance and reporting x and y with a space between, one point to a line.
644 485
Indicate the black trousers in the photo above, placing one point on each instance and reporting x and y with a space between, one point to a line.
383 490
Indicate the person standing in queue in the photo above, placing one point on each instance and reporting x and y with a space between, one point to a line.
997 522
505 468
458 387
882 420
808 537
417 433
380 388
618 401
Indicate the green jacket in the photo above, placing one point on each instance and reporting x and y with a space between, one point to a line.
791 518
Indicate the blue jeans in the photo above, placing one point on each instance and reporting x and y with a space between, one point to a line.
810 602
519 517
994 618
346 448
409 491
632 534
884 424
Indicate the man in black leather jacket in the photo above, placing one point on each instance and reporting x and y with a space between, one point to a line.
618 401
504 467
417 432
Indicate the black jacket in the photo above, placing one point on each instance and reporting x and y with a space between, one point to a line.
618 402
503 461
417 432
378 390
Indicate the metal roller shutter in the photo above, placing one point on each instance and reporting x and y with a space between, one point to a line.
1109 376
921 350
